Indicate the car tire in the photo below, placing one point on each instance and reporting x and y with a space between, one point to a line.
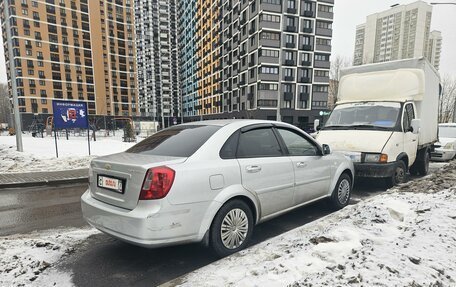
231 228
341 194
399 176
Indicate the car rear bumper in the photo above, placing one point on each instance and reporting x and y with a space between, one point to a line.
376 170
151 224
441 154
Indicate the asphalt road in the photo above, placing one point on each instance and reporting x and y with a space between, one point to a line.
104 261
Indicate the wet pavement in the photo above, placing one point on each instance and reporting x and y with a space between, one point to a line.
23 210
104 261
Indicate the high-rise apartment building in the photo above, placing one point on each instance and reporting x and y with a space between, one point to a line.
401 32
255 56
156 40
77 50
435 48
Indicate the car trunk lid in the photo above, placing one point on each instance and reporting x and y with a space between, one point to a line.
128 171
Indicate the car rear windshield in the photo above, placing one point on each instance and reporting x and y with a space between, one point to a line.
179 141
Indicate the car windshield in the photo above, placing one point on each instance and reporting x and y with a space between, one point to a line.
364 115
447 132
179 141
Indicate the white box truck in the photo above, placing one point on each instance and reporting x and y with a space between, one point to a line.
385 118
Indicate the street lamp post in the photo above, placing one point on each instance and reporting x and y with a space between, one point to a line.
17 115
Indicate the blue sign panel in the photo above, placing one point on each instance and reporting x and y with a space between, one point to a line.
70 114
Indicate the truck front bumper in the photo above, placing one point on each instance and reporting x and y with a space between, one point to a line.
376 170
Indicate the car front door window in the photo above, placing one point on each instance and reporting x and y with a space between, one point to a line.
297 145
258 143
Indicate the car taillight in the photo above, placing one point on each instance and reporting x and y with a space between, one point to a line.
157 183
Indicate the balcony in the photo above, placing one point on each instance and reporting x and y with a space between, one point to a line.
291 10
291 29
289 63
303 96
306 63
304 80
288 78
290 45
288 96
309 13
307 47
307 30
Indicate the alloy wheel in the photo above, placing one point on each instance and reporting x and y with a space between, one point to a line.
343 191
234 228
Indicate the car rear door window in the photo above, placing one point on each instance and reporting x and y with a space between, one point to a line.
297 144
258 143
178 141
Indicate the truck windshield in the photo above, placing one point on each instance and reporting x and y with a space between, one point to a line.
447 132
381 116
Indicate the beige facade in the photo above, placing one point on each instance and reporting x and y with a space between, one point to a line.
77 50
435 48
401 32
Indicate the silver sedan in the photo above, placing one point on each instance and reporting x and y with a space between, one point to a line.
211 181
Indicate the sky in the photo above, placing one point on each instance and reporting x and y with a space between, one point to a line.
350 13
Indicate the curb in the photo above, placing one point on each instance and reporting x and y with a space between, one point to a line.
45 182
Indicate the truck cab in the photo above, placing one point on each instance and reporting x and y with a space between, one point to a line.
385 119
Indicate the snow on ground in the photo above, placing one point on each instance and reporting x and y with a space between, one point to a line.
26 260
39 153
405 237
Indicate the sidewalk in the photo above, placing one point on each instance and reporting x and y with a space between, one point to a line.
10 180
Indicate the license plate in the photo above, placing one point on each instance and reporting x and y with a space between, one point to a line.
110 183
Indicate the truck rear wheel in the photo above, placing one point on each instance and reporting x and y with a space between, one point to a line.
421 164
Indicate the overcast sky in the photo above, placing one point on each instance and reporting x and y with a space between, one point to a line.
349 13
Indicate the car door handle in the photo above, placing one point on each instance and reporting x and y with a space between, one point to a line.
253 168
301 164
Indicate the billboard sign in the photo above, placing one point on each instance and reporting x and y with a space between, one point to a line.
70 114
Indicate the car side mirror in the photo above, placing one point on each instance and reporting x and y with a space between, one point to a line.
317 125
415 126
326 149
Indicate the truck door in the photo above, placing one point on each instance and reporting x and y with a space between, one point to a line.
410 139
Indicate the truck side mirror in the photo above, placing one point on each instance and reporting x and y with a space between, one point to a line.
326 149
317 125
415 126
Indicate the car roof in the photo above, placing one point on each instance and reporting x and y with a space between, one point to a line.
225 122
447 125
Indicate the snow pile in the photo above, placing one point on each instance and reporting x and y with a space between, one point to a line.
12 161
394 239
39 153
24 258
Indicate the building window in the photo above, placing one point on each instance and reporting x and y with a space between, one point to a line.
267 87
269 70
324 8
289 39
269 53
270 36
288 72
270 18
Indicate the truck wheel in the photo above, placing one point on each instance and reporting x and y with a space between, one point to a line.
399 176
413 169
423 162
232 228
340 196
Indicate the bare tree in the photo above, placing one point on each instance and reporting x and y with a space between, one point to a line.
5 111
447 103
337 64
